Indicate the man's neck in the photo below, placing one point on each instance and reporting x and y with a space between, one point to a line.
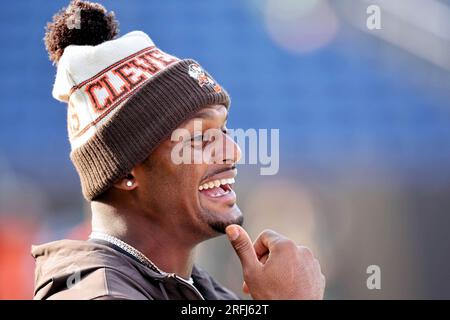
157 243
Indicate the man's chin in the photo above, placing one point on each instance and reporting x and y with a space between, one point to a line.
219 221
220 226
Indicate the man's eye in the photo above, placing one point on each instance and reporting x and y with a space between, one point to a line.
197 138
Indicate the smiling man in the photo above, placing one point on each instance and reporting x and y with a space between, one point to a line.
126 99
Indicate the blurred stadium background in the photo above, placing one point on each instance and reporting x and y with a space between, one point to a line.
364 119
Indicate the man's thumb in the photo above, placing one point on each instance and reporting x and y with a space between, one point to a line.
243 245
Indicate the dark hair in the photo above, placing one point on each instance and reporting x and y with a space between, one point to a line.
81 23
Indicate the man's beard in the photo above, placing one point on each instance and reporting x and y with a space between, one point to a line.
219 226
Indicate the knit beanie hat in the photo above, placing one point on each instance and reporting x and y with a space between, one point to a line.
124 95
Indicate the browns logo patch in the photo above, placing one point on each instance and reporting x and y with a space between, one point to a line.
196 72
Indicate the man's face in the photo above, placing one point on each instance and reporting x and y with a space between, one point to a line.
195 197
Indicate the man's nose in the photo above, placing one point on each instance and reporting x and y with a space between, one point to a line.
229 152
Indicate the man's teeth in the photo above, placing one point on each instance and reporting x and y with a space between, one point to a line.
216 183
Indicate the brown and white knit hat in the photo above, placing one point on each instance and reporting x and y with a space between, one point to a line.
124 95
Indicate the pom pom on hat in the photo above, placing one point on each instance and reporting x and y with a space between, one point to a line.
81 23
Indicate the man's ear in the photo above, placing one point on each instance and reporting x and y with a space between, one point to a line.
128 182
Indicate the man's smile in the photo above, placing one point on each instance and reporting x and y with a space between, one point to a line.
218 187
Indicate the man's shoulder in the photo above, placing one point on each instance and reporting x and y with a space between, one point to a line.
84 270
101 283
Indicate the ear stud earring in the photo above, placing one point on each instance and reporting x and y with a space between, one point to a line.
129 183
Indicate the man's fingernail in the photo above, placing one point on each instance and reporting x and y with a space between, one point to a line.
232 233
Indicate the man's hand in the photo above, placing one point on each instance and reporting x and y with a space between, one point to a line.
274 267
